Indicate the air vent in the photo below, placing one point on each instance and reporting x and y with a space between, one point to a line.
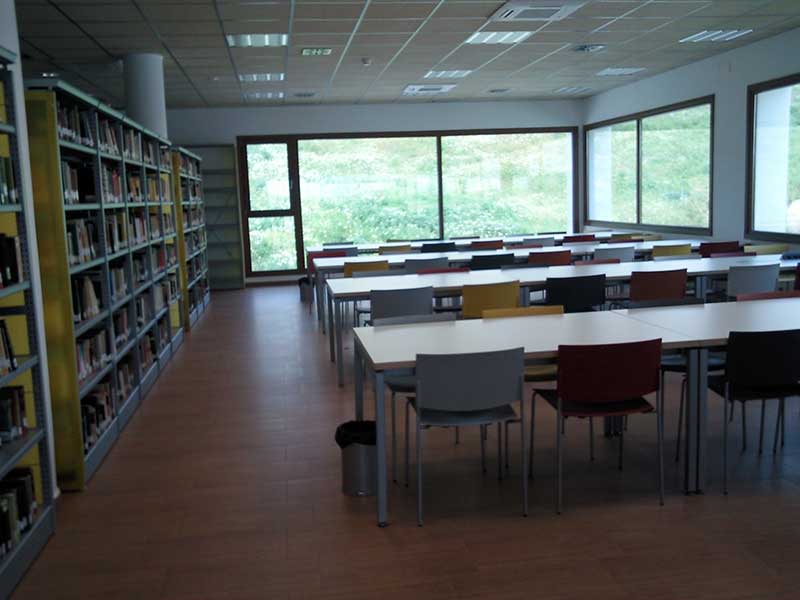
619 71
716 35
263 95
536 10
427 90
498 37
573 90
454 74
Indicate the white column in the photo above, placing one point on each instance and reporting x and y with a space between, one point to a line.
144 91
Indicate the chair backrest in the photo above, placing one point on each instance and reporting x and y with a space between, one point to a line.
685 301
379 273
403 249
415 265
583 237
608 373
650 237
411 319
469 382
730 254
550 259
625 240
768 295
576 294
658 285
672 250
522 311
693 256
323 254
767 248
400 303
624 237
486 245
597 261
623 253
709 248
542 241
443 270
438 247
753 279
482 262
763 359
373 265
477 298
520 246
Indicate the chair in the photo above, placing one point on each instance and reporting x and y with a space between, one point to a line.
482 262
576 294
401 303
374 265
550 259
597 261
415 265
658 285
625 240
707 249
521 246
767 248
761 366
584 237
693 256
542 241
621 253
521 311
752 279
379 273
608 380
623 237
768 295
477 298
403 249
731 254
458 390
486 245
672 250
438 247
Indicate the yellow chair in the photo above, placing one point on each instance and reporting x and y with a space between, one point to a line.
477 298
375 265
674 250
404 249
650 237
522 311
767 248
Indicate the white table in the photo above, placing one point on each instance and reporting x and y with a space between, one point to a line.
349 289
690 328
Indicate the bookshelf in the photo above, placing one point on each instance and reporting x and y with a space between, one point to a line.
193 248
109 264
26 506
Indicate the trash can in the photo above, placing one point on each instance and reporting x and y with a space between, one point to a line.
357 441
304 283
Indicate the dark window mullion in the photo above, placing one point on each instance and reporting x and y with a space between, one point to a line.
638 171
440 184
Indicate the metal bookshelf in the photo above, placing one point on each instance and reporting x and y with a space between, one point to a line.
17 307
152 335
193 245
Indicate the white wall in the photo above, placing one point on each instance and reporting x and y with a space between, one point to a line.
727 76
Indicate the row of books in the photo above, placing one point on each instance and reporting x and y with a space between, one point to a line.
110 184
164 332
81 241
155 225
125 381
166 161
117 230
195 266
122 329
74 125
132 149
144 314
194 192
149 151
8 360
169 223
13 420
9 193
86 291
147 351
18 508
138 228
108 137
139 270
165 256
164 292
11 271
192 217
166 190
93 353
77 181
189 166
195 240
135 188
119 283
97 413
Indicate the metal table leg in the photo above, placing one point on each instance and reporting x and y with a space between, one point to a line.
319 300
700 286
696 421
331 331
380 449
358 383
337 332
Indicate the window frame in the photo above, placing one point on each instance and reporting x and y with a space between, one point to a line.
749 206
637 118
296 193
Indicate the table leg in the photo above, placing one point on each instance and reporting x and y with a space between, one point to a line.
696 421
331 332
700 286
358 383
338 333
320 307
380 449
525 296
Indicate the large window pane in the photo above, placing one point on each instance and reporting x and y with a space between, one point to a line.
776 184
268 176
368 189
676 167
611 153
506 184
272 245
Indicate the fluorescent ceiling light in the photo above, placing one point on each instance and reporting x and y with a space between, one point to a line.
456 74
537 10
49 74
716 35
619 71
427 90
498 37
257 40
316 51
572 90
263 95
250 77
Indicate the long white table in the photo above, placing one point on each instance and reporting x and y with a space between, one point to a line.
689 328
349 289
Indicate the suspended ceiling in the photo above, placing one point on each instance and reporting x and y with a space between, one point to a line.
82 41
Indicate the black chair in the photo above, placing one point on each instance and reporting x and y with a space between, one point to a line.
482 262
576 294
438 247
761 365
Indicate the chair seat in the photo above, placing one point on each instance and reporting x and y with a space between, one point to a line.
401 383
597 409
445 418
676 363
717 384
541 372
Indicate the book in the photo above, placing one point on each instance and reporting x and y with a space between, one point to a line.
92 354
122 329
81 241
152 189
20 482
135 188
137 227
9 359
9 192
86 291
131 148
13 420
108 137
124 381
147 351
118 283
97 413
10 260
149 153
110 184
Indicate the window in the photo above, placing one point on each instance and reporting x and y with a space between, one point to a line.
506 184
775 158
652 169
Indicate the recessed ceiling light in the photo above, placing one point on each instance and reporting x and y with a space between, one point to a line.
250 77
572 90
717 35
499 90
257 40
498 37
49 74
316 51
427 90
619 71
590 48
263 95
537 10
456 74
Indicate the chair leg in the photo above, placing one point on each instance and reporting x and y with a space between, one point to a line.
744 426
499 451
732 407
483 448
507 423
777 430
680 420
660 427
533 423
725 404
458 436
591 439
621 447
625 423
559 434
419 474
761 429
408 435
783 421
394 438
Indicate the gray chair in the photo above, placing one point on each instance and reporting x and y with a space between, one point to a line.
542 241
752 279
477 389
359 311
415 265
623 253
401 303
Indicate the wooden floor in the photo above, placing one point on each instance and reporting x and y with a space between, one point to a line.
226 486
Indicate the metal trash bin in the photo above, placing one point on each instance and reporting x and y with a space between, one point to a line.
304 283
357 441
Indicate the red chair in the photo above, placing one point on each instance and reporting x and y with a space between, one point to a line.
550 259
658 285
597 261
608 380
583 237
486 245
729 254
446 270
768 295
709 248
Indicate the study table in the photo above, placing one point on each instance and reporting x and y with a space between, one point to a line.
450 284
692 329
